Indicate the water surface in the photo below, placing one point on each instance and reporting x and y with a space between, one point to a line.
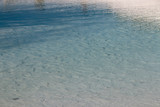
79 53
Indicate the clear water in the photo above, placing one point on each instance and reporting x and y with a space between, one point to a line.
79 54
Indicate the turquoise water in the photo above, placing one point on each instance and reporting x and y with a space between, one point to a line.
78 55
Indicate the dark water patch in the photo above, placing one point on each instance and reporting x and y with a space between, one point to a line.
56 15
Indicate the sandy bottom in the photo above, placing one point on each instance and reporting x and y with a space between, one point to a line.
79 66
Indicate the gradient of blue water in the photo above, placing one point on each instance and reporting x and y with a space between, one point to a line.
107 55
59 15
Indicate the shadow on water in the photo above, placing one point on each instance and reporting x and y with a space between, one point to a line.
72 16
39 4
8 4
29 16
15 39
84 7
41 16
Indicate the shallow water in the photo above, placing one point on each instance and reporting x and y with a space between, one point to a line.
79 54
